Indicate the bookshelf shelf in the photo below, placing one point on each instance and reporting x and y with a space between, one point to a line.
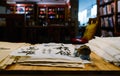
107 15
51 14
105 2
27 9
33 23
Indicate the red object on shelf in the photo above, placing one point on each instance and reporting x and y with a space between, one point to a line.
51 12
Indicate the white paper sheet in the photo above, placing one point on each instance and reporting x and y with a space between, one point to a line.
106 47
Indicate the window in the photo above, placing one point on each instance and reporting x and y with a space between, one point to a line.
82 17
90 11
94 11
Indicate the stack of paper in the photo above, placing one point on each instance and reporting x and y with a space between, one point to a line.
61 62
50 54
5 49
107 47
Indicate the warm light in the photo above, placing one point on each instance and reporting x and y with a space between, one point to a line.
18 5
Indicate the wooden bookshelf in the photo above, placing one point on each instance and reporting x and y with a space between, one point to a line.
51 14
12 27
117 29
40 14
108 13
37 23
27 9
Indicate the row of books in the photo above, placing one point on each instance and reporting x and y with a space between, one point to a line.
105 33
118 18
107 9
118 23
119 6
107 22
56 9
105 1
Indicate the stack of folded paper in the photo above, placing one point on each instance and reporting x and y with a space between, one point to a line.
61 62
5 49
107 47
50 54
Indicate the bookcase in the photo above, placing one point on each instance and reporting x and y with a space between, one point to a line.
40 14
117 30
109 17
27 9
12 27
37 23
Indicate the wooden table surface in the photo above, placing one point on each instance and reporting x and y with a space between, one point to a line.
98 68
98 64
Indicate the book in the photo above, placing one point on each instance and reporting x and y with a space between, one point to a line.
109 10
106 19
102 22
105 10
118 23
118 6
105 33
101 11
101 2
106 1
113 7
110 21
